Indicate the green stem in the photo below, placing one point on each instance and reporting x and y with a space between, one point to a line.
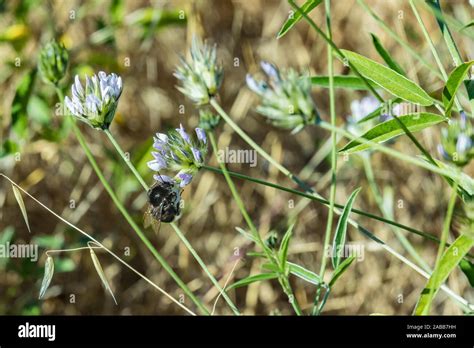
126 159
379 200
181 236
332 111
326 203
127 216
282 279
444 238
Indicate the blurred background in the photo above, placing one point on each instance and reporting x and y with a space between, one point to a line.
142 41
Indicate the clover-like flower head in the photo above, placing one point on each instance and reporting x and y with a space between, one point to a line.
53 61
457 141
178 152
202 76
286 97
96 103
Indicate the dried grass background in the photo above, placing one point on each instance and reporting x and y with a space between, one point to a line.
55 173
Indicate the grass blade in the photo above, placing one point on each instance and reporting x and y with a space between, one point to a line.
285 242
48 275
450 259
468 269
101 274
304 274
21 204
307 7
341 229
386 56
392 128
252 279
455 80
389 79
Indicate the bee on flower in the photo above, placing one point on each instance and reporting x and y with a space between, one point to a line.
285 98
97 102
178 152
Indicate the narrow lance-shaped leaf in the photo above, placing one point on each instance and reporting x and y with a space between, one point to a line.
343 266
450 259
455 80
20 103
48 275
285 243
341 81
101 274
341 230
21 204
307 7
391 128
389 79
253 279
386 56
304 274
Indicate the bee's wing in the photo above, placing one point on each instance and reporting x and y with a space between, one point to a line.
149 220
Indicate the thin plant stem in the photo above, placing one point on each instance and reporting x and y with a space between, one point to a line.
461 301
126 159
99 244
282 279
444 238
314 197
179 233
332 112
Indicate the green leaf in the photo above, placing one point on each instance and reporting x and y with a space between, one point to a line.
389 79
21 204
466 183
455 80
20 103
304 274
449 260
101 273
270 267
341 230
468 269
340 81
391 128
285 242
307 7
341 269
48 275
468 25
386 56
252 279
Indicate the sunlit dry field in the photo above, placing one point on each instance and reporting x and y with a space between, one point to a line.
284 124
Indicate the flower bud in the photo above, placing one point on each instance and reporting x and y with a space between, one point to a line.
53 61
